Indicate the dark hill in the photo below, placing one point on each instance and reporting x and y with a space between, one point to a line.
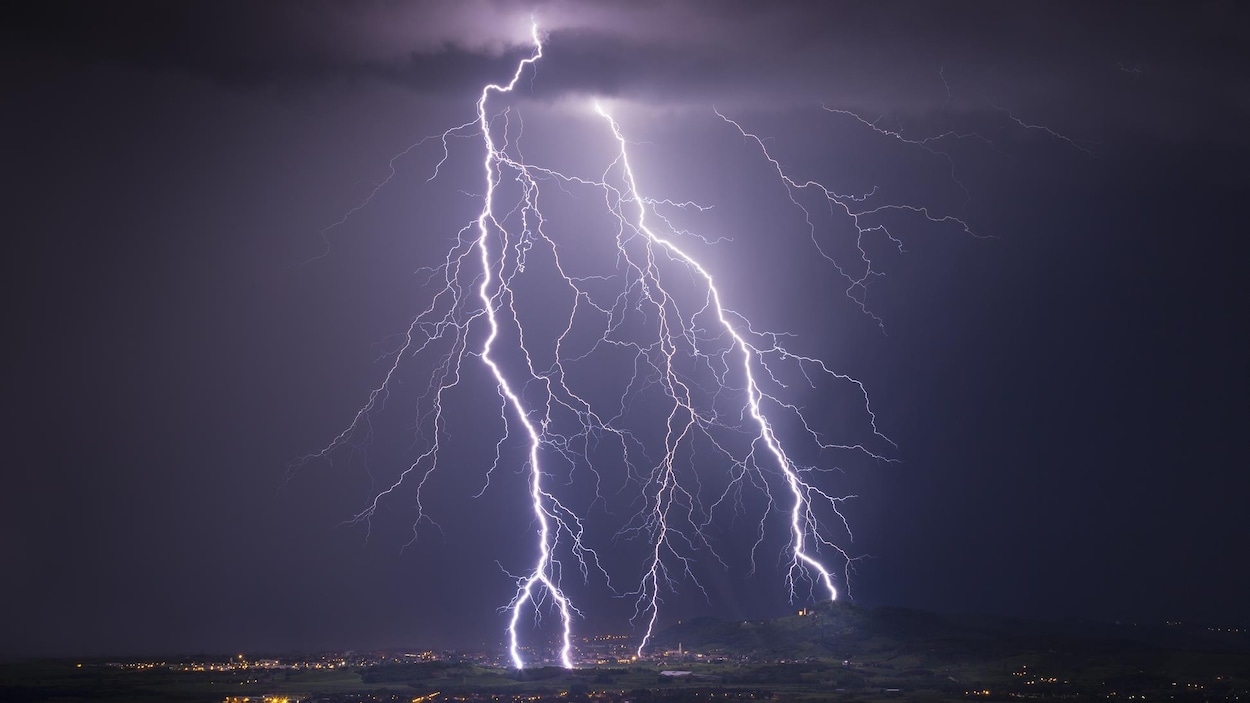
846 631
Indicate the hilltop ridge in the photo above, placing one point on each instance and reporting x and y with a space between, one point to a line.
846 630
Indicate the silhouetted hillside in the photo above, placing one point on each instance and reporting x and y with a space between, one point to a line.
845 631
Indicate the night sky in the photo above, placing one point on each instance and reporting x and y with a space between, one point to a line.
1066 386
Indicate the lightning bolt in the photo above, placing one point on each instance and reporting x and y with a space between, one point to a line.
804 527
494 295
705 391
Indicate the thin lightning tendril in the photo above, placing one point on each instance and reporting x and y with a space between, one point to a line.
663 313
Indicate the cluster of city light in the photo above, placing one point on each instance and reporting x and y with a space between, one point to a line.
1033 678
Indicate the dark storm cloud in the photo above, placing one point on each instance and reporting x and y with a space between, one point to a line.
882 55
1161 69
255 44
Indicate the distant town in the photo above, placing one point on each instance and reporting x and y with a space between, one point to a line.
831 652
